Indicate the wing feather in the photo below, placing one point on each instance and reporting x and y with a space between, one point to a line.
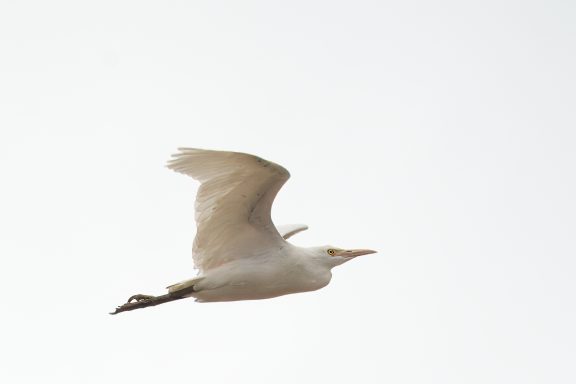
233 203
289 230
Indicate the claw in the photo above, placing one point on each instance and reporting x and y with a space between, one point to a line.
139 298
127 306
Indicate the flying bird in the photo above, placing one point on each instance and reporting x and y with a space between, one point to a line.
238 251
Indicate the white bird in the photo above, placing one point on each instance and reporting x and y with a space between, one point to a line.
239 253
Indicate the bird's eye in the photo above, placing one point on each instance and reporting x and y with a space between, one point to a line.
331 252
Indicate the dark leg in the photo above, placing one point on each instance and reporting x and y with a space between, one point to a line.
143 301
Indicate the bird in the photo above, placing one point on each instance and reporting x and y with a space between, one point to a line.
238 252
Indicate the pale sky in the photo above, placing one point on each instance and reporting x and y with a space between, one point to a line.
442 134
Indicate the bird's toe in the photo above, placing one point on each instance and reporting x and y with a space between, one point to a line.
139 298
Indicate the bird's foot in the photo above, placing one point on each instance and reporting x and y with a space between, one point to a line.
135 302
139 298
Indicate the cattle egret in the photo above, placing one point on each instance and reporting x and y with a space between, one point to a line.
239 253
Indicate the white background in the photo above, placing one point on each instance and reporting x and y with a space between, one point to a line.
440 133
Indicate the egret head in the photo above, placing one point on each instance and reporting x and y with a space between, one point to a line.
334 256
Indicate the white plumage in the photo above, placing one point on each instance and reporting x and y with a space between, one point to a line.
232 205
239 253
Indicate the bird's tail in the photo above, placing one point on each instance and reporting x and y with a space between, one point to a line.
184 286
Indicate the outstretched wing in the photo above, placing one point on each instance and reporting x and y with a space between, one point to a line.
289 230
232 205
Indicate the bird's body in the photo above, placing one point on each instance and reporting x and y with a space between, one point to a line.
274 273
238 251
